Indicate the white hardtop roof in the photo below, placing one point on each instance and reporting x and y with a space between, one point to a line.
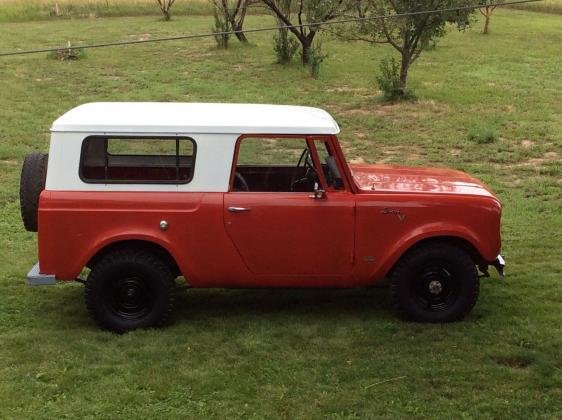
176 117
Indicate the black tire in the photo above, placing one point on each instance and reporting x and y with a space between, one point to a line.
32 182
436 282
129 289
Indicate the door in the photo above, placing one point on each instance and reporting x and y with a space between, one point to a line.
281 229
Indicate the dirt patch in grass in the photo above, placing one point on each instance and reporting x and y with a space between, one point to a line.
535 162
140 37
512 180
401 110
400 154
359 134
349 89
455 152
514 361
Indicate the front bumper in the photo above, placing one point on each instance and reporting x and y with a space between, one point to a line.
499 264
35 278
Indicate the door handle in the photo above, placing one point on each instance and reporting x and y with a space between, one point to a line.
238 209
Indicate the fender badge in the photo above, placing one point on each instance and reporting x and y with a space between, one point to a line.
401 216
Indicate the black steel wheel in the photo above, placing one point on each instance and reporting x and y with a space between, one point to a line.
130 289
436 282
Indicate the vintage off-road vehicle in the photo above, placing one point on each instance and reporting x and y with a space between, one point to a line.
245 196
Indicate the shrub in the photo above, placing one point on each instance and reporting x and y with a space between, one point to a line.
389 83
221 25
316 59
285 46
482 135
68 53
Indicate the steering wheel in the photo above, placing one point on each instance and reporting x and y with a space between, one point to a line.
306 162
240 183
305 158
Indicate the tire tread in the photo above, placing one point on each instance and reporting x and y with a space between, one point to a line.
32 182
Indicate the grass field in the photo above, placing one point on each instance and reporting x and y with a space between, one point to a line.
26 10
313 354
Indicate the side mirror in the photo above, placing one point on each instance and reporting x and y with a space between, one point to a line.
319 193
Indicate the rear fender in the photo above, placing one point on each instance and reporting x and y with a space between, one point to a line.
73 269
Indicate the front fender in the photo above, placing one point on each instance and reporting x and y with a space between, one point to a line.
488 251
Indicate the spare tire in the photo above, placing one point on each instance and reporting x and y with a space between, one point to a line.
32 182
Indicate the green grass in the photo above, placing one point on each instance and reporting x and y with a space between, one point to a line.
287 354
544 6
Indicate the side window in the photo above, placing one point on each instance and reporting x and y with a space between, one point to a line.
138 160
274 165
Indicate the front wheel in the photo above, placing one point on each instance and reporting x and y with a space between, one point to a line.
435 283
130 289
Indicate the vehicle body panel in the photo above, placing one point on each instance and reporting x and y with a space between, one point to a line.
291 239
389 224
70 235
212 169
399 179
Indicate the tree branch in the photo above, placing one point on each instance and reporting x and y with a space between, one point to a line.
284 19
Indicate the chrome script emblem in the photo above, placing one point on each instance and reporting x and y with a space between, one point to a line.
387 210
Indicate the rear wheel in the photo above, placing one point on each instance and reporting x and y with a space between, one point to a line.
130 289
435 283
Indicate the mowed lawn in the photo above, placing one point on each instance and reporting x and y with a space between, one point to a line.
301 353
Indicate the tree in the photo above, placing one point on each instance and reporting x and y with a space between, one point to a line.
486 11
301 12
408 35
232 15
221 29
165 6
285 44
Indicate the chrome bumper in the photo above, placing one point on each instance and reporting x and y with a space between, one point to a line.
35 278
499 263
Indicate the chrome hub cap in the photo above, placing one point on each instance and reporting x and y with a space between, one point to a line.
435 287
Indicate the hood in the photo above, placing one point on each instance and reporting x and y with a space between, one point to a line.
384 178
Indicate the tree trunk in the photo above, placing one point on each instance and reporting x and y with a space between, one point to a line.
238 26
486 22
167 16
305 53
306 43
241 35
404 67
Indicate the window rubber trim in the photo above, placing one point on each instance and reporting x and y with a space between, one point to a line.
136 182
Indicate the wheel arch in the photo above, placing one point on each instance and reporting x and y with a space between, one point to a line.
147 245
453 239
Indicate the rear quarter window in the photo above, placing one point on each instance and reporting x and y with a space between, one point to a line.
137 160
